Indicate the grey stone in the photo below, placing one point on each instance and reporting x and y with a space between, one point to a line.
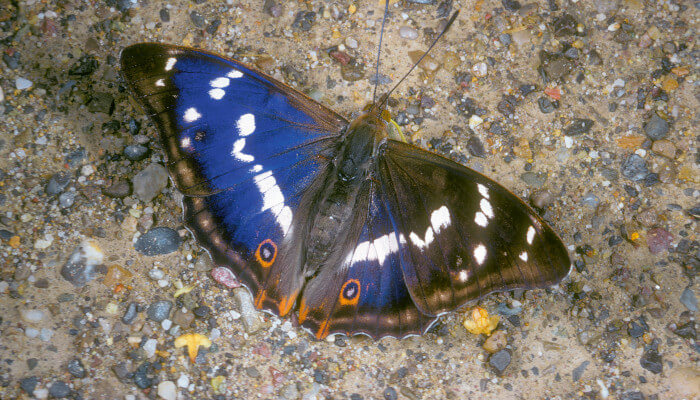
634 168
689 300
29 384
101 103
157 241
500 360
159 310
578 371
75 367
59 390
656 128
130 314
150 181
249 316
57 183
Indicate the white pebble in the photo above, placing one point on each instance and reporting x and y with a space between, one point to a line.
641 152
45 334
87 170
166 324
475 121
167 390
619 83
408 32
2 95
568 141
214 334
156 274
4 286
163 283
31 332
32 316
351 42
22 83
150 347
234 314
44 243
41 393
480 69
183 381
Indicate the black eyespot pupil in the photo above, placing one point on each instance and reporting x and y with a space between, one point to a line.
199 136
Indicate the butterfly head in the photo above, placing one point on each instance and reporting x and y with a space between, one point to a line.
379 120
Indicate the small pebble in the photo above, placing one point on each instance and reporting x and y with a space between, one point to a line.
150 347
59 390
159 310
408 32
656 128
167 390
149 182
634 168
500 361
157 241
689 300
22 83
75 367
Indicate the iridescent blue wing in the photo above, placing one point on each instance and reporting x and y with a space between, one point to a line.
243 148
462 235
366 293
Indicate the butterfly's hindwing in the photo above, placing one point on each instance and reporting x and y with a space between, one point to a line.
366 292
466 236
244 149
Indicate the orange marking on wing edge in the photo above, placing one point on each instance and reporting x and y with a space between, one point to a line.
262 262
259 299
303 311
286 304
323 329
356 296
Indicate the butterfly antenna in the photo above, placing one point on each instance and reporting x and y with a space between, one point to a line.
379 51
447 27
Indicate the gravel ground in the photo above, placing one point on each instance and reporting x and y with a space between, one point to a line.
588 109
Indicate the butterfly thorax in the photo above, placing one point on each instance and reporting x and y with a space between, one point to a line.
346 181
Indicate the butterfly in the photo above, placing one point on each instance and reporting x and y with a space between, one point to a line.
335 221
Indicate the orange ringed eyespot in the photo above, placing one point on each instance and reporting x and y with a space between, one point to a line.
350 292
266 253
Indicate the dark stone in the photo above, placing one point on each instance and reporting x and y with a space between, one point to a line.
578 126
164 15
578 371
157 241
101 103
686 331
201 311
252 372
554 66
141 378
130 314
656 127
75 367
272 8
511 5
651 179
135 152
500 360
527 89
57 183
86 65
651 360
497 129
59 390
564 25
304 20
159 310
390 393
29 384
213 26
117 190
320 377
197 19
636 330
507 105
546 105
475 147
632 395
634 168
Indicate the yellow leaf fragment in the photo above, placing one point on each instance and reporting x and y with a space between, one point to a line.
183 290
478 321
192 341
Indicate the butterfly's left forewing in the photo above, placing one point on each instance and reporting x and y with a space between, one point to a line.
244 149
465 235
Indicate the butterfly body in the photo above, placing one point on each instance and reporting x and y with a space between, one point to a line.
337 221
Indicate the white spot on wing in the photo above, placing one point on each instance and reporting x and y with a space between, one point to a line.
383 247
217 94
463 275
237 151
530 234
235 74
423 244
191 115
170 63
483 190
160 82
480 254
256 168
523 256
440 218
273 199
185 143
486 208
246 124
220 82
480 219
